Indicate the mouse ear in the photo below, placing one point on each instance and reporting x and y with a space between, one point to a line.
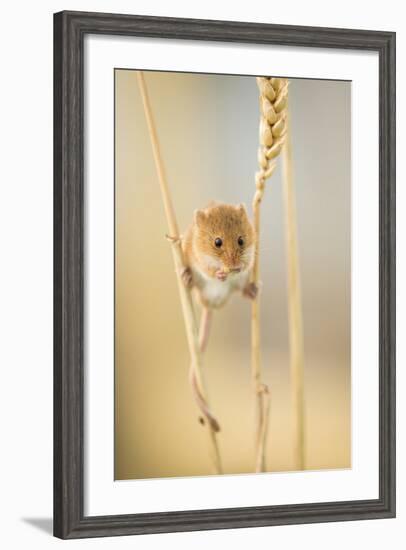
199 217
241 208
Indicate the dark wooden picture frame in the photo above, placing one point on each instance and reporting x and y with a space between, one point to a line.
69 31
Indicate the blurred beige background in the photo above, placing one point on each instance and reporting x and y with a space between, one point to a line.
208 128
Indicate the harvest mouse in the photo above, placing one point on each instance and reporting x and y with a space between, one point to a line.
219 251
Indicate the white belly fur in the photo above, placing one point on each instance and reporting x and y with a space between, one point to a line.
214 292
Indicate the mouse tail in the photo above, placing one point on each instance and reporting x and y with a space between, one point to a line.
204 331
202 403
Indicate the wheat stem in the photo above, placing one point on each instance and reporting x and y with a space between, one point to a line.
294 307
273 93
185 296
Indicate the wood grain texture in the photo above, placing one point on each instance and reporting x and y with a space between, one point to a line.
69 31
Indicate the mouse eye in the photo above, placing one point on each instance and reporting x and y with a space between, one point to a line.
218 242
240 241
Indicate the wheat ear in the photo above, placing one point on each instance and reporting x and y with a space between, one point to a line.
273 95
185 296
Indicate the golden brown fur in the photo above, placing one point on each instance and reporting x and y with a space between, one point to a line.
217 271
224 221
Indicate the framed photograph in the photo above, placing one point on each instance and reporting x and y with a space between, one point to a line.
224 267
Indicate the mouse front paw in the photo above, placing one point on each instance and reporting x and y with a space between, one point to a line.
221 275
187 277
251 291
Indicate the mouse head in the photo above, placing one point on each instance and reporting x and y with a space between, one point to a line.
224 238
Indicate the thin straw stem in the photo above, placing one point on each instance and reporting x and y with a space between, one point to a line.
260 390
294 307
185 296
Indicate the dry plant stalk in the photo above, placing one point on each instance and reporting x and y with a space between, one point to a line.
294 307
185 295
273 95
